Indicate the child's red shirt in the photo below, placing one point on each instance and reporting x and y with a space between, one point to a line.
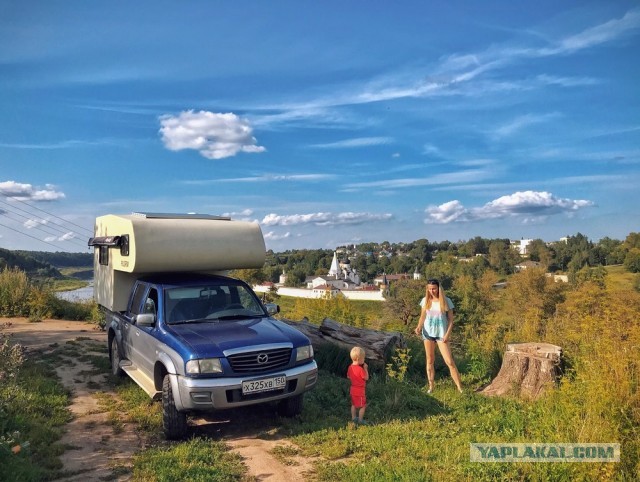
357 375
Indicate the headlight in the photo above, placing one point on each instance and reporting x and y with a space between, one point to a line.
304 352
206 365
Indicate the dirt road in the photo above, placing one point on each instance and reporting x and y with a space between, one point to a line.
97 453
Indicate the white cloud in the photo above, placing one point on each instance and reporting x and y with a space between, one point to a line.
357 142
529 205
323 219
213 135
271 236
566 81
266 178
26 192
447 213
457 74
434 180
64 237
32 223
243 213
523 121
600 33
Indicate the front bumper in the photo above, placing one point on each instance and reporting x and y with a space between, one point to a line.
205 394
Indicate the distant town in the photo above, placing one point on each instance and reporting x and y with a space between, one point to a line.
366 271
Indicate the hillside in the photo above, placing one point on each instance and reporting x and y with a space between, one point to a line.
41 264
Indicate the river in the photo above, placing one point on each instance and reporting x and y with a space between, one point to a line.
81 294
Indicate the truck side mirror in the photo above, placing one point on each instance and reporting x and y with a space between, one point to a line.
146 319
272 308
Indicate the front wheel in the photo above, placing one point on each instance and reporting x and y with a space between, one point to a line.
114 354
290 407
174 423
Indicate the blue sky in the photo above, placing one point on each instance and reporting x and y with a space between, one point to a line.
329 123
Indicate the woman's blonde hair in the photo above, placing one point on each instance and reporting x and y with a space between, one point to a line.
444 307
357 353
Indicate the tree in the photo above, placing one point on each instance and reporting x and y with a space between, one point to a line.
538 251
502 257
476 299
609 249
295 277
528 305
250 276
632 260
595 275
403 300
632 241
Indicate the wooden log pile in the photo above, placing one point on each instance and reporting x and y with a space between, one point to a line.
377 344
527 370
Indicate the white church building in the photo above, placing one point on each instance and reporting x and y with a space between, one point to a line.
340 276
341 280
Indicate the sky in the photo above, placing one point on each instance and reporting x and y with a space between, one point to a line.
329 123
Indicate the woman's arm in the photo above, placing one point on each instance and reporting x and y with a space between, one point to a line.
423 315
449 325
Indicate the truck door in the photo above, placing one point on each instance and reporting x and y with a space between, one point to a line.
128 327
145 336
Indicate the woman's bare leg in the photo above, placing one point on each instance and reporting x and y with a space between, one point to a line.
448 359
430 353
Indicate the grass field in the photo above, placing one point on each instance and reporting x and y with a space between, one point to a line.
618 278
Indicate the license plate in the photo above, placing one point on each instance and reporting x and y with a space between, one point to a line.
263 385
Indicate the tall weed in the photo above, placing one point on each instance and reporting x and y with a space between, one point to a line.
15 290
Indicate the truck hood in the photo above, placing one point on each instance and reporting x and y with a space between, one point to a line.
206 340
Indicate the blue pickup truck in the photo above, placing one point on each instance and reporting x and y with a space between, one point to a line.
205 342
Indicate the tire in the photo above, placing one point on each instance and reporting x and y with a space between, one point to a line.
174 423
290 407
114 356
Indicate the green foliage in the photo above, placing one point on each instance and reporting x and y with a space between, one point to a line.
249 276
402 304
32 412
397 369
595 275
22 296
25 261
198 460
524 310
339 308
632 260
11 357
15 289
333 359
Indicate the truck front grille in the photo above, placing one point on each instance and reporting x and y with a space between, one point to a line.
260 361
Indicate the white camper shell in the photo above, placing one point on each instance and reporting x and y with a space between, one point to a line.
130 246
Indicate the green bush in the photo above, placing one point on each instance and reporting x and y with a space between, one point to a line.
15 290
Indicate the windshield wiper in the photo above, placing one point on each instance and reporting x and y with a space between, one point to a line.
238 317
194 320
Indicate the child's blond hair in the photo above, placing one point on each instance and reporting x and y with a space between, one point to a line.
357 353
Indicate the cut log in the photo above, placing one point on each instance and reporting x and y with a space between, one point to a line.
527 370
377 344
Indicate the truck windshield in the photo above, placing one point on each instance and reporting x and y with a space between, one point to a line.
211 302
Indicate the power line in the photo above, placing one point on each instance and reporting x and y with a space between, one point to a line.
40 226
42 222
25 234
5 194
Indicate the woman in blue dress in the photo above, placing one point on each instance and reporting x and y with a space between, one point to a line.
435 324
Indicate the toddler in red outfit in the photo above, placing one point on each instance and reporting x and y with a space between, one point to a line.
358 374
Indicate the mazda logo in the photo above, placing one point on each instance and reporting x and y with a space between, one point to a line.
263 358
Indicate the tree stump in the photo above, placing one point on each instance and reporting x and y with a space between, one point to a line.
377 344
527 370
